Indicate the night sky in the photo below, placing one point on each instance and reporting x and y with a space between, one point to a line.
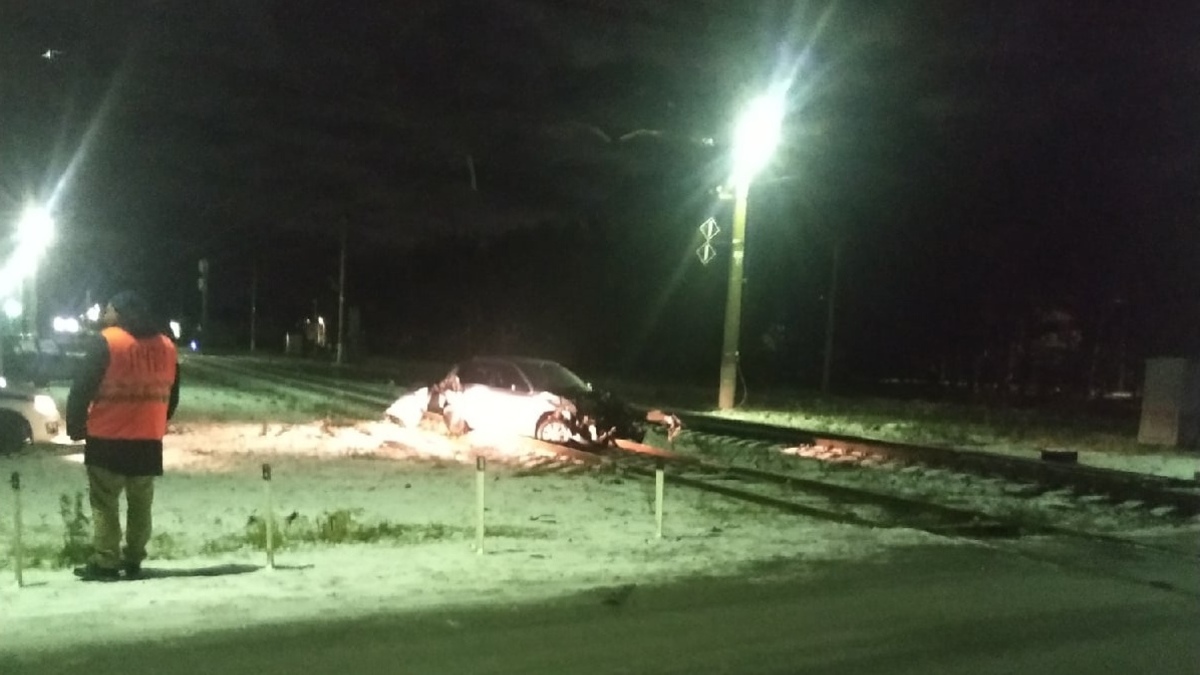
1007 182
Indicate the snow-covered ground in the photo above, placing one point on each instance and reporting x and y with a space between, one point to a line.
408 498
554 528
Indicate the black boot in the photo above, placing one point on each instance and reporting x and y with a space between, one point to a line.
94 572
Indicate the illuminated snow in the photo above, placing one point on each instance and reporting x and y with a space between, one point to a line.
576 528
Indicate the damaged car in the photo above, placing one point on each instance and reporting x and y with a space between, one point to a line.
526 396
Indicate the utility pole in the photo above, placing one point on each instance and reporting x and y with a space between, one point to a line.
203 283
1123 307
31 314
833 280
471 169
733 299
341 338
253 307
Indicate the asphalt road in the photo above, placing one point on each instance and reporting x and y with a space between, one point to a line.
926 611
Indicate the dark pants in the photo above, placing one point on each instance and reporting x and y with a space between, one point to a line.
104 488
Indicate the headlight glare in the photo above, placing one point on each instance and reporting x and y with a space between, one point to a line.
45 405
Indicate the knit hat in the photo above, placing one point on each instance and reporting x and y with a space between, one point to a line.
130 305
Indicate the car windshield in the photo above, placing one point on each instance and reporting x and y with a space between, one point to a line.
548 376
491 374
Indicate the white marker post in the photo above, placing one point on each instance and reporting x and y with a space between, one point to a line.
18 549
658 497
270 519
480 483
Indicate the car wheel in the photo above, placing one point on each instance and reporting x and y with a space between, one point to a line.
553 429
14 432
456 425
636 434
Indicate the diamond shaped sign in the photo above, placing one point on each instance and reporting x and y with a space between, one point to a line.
709 228
706 253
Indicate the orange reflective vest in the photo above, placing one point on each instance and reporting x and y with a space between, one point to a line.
134 395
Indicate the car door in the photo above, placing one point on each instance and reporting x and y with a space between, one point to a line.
496 397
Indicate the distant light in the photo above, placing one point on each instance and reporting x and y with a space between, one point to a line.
321 320
194 345
757 134
93 313
13 308
66 324
176 330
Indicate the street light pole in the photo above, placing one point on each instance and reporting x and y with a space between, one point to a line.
733 299
829 316
254 308
755 137
203 284
341 334
30 317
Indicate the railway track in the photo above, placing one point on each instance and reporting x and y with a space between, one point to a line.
1130 560
1119 486
356 392
842 503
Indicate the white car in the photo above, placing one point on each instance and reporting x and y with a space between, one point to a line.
26 416
524 397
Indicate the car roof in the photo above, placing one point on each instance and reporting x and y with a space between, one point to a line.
516 360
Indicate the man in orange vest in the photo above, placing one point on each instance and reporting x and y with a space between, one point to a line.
125 390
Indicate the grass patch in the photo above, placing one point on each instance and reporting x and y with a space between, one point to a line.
77 532
342 526
347 526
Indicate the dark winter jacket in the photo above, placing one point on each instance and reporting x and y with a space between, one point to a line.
123 456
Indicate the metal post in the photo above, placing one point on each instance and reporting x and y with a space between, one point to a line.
341 337
658 499
833 280
203 302
480 482
18 547
270 518
733 301
32 327
253 308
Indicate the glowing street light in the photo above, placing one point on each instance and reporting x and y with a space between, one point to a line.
755 137
35 231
